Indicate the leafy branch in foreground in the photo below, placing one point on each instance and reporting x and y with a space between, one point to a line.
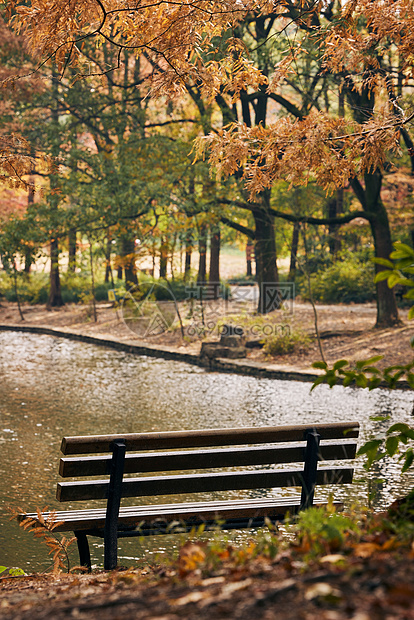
43 527
397 270
364 374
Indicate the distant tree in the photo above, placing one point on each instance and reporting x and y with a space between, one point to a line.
363 49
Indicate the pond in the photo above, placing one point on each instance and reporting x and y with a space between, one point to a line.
51 387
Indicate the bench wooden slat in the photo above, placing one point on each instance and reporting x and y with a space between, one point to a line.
205 511
202 459
198 483
205 438
245 448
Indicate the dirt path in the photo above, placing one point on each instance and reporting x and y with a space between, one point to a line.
347 331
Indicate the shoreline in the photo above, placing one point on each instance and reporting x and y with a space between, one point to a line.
249 367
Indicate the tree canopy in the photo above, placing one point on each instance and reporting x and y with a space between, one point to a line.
185 42
292 90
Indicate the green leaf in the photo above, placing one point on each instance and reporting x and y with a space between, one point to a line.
340 364
397 255
405 249
372 444
373 369
17 572
404 263
318 381
2 569
349 379
383 261
411 316
382 275
406 282
391 445
401 427
331 380
361 381
409 458
394 279
322 365
374 383
369 362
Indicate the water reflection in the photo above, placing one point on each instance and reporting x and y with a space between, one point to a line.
52 387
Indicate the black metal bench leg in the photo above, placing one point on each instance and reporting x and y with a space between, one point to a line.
112 508
310 469
83 548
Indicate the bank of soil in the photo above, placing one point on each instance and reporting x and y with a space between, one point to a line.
366 585
348 331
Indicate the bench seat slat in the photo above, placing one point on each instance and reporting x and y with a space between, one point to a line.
132 516
202 459
204 438
199 483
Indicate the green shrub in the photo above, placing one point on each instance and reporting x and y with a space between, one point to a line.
286 339
101 291
349 280
322 530
243 280
33 289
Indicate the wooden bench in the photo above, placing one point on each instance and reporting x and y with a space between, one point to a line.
244 448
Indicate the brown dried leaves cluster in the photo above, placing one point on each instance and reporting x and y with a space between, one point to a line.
43 527
15 161
321 148
180 38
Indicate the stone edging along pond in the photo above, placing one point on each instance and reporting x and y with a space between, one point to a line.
241 367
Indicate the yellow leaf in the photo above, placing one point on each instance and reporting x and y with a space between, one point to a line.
365 550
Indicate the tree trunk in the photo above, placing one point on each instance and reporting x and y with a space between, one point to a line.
128 260
202 249
265 250
28 259
294 252
188 252
28 250
163 258
214 274
72 250
108 266
335 207
387 312
249 252
55 294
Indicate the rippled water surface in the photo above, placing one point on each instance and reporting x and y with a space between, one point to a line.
51 387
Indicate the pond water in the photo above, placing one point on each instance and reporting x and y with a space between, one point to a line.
51 387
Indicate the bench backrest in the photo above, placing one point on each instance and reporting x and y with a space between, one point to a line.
175 452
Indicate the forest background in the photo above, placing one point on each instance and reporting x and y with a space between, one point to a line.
303 109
